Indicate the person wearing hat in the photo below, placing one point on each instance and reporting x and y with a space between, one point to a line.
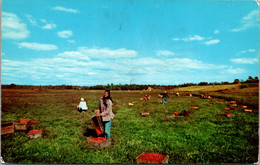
105 111
82 106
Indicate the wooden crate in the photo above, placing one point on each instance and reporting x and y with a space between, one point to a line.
145 113
22 124
176 113
143 161
98 144
229 114
248 110
244 106
7 127
35 134
170 116
234 105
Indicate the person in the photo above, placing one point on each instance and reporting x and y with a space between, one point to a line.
146 97
164 97
105 111
82 106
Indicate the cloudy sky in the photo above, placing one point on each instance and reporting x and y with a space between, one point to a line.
166 42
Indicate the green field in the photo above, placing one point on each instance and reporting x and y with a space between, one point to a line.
206 136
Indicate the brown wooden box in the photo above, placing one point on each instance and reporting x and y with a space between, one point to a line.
7 127
98 144
22 124
143 161
144 113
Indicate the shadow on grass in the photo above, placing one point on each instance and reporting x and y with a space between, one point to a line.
90 133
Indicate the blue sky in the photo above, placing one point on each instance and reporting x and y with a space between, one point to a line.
166 42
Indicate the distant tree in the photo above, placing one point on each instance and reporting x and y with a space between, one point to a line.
203 83
225 83
252 80
12 85
236 81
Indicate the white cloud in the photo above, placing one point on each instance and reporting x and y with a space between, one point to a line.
74 55
193 38
71 41
12 27
49 26
164 53
176 39
187 63
246 51
60 8
31 20
248 21
235 71
190 38
107 53
65 33
210 42
44 20
69 68
251 50
244 60
216 31
37 46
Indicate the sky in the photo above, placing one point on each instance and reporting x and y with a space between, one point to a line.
99 42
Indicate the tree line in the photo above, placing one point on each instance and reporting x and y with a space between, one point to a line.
112 86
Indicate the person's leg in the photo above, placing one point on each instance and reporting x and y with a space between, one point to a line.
107 129
164 100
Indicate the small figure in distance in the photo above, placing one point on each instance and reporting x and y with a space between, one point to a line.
146 97
82 107
164 97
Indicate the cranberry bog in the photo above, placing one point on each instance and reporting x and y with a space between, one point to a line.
206 136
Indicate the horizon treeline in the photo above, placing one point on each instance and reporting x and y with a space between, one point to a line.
128 86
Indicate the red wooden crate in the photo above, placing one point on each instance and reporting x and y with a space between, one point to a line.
99 142
35 133
244 106
140 160
248 110
22 124
229 114
7 127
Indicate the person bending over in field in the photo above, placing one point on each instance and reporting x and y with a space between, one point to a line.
82 106
105 111
164 97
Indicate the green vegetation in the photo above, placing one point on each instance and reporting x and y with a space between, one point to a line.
206 136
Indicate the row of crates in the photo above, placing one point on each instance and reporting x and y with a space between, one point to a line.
11 127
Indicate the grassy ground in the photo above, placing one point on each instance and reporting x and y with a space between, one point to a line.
206 136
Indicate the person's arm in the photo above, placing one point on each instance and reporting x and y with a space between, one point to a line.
86 105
